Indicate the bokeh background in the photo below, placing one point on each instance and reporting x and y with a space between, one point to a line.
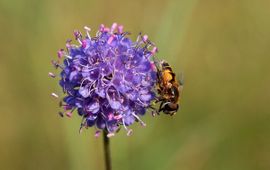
222 46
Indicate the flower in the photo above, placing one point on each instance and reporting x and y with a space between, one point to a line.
108 79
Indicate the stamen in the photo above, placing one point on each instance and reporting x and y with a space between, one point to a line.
101 28
80 130
110 134
78 36
54 95
69 114
85 66
51 75
124 124
56 64
154 50
87 29
138 38
114 25
145 38
142 103
91 91
120 29
106 29
110 39
124 34
68 43
97 134
137 117
60 53
67 56
82 125
129 131
67 107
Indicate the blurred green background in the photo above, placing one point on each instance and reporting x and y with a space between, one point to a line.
222 46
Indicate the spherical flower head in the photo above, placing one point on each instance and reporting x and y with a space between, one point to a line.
109 79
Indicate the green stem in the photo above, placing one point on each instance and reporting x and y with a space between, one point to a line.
107 152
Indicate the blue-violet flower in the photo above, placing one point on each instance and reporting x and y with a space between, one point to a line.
108 79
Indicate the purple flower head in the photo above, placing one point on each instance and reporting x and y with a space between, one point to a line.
108 79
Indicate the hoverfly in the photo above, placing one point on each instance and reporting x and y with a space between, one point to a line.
168 88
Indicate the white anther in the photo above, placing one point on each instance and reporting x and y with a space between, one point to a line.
110 135
51 75
130 132
87 29
79 41
54 95
145 38
114 25
137 117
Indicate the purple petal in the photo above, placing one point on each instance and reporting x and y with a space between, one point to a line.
84 92
100 91
113 98
146 97
92 107
115 104
145 66
132 95
105 69
129 119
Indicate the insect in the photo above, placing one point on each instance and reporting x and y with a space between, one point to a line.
168 88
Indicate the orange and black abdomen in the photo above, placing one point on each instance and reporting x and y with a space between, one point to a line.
168 89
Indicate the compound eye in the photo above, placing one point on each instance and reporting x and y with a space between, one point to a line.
165 64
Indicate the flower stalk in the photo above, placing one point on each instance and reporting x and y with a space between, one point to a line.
107 152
